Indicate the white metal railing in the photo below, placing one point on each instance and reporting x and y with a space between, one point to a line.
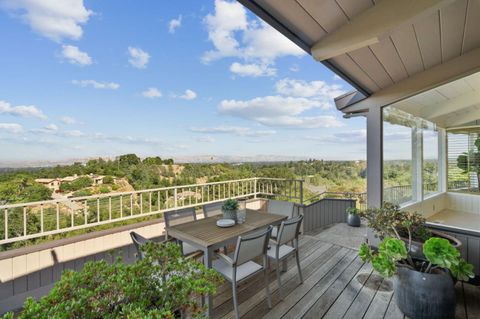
25 221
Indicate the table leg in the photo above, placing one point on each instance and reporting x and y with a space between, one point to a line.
207 260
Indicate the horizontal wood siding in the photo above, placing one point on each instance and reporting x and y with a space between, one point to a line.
34 273
471 245
325 212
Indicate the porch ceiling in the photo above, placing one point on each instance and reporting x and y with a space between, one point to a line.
450 105
376 44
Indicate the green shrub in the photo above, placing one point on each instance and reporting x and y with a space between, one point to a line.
114 187
82 192
108 180
104 190
162 285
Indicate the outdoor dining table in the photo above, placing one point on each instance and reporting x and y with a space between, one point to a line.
205 235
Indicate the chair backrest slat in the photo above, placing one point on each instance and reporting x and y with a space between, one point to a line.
289 230
212 209
251 246
280 207
138 242
180 216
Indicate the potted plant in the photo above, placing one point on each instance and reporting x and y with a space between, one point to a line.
390 221
353 219
230 208
424 288
164 284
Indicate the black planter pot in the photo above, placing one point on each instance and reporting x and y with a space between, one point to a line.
353 220
425 296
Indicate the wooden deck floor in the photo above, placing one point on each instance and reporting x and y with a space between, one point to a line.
337 284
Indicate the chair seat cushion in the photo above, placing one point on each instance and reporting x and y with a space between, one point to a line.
282 252
243 271
188 249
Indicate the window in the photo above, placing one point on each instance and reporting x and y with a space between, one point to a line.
411 157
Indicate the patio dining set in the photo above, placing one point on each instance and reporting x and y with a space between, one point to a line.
238 252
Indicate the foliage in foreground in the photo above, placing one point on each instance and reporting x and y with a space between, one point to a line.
162 285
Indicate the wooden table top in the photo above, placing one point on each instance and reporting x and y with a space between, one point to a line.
206 233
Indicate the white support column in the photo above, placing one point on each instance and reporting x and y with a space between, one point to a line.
417 161
374 157
374 163
442 160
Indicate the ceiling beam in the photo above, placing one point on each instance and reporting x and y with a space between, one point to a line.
368 27
453 105
463 118
449 71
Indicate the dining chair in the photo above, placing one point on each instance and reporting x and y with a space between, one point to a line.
177 217
279 250
239 266
138 242
280 207
212 209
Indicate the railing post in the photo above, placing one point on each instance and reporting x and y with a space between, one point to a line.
301 192
255 187
175 197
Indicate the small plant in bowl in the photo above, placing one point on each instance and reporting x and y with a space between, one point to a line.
230 209
353 219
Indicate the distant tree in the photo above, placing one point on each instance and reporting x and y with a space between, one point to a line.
129 160
21 190
168 161
470 161
153 161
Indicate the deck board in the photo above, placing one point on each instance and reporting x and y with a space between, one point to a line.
337 284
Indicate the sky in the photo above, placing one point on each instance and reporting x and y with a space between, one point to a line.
169 78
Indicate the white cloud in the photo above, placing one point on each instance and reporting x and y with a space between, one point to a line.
188 95
96 84
234 36
51 127
73 133
68 120
205 139
138 58
152 93
268 106
53 19
235 130
11 127
294 68
252 69
346 137
288 108
302 122
75 56
313 89
174 24
21 110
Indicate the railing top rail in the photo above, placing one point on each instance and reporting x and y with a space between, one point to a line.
109 195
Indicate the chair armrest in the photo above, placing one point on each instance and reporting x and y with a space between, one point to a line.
273 241
225 258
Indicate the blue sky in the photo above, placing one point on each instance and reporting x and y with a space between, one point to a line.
168 78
